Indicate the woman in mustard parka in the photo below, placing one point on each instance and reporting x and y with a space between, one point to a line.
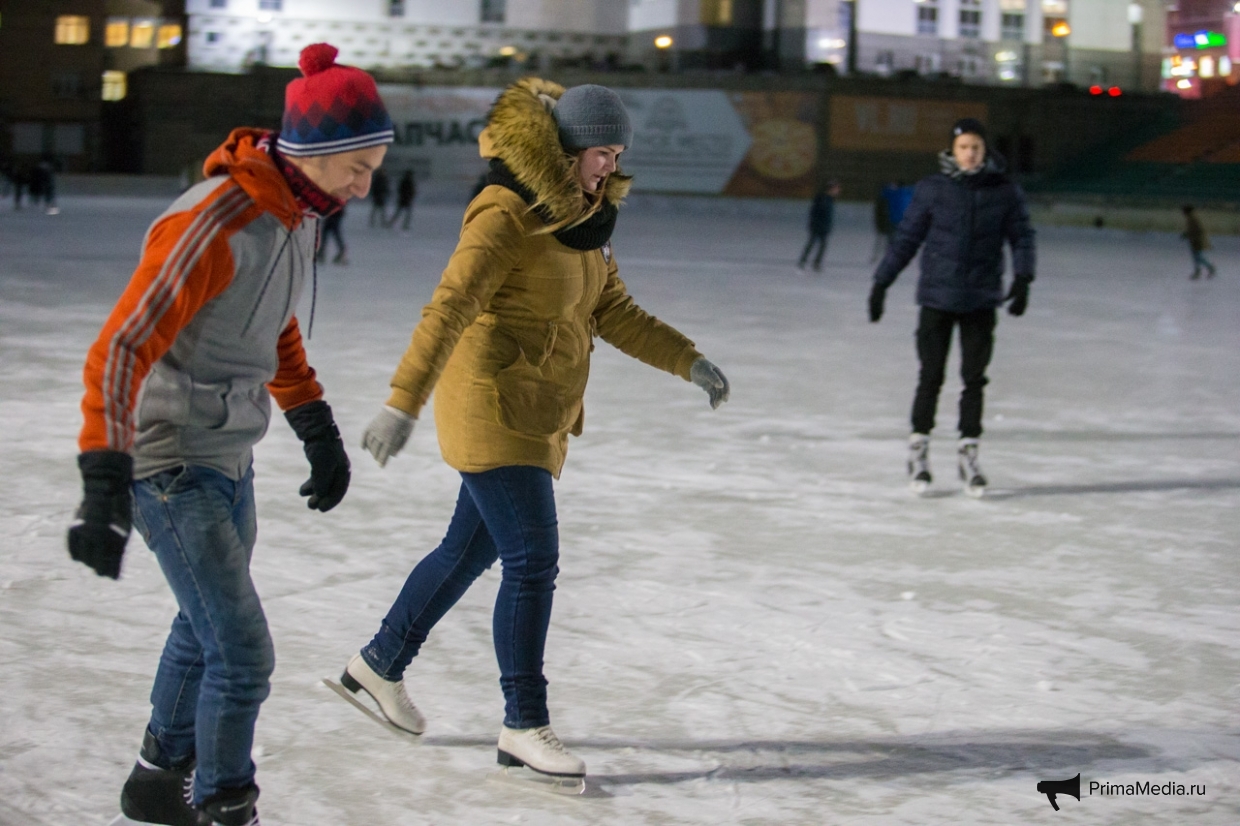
505 343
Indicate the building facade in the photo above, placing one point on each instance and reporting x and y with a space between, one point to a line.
232 35
64 62
1015 42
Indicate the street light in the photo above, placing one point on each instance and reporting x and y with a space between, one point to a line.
1061 29
663 41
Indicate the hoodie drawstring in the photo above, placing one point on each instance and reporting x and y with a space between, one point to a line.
288 236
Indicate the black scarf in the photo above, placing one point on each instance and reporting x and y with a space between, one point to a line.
591 234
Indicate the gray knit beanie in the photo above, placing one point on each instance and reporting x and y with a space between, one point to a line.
592 115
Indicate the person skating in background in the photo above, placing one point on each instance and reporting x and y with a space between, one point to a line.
505 345
1198 242
406 192
44 184
178 389
19 174
380 189
882 222
821 220
963 215
333 229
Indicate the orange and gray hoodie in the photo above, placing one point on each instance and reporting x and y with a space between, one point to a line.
205 332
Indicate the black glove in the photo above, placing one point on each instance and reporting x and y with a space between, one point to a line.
329 465
101 525
877 296
1018 295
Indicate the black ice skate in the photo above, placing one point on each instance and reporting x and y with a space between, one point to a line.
970 469
919 463
157 795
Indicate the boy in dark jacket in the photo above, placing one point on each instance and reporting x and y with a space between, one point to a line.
1198 243
821 219
962 215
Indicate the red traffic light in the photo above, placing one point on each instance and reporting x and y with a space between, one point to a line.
1115 91
1095 90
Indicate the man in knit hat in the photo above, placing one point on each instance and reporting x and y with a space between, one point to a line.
177 393
963 215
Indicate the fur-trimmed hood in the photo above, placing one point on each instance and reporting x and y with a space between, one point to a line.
522 132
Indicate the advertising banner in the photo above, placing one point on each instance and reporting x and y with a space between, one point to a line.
437 131
897 124
783 153
685 140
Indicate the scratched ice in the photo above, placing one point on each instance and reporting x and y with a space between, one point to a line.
756 622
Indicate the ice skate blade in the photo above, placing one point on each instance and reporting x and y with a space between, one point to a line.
919 487
527 778
975 491
371 713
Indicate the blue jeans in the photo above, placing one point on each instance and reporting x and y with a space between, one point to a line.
215 668
506 514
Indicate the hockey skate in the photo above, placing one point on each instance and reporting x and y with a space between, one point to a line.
157 795
550 767
396 711
970 469
919 463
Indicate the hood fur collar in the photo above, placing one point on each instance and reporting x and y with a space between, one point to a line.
522 132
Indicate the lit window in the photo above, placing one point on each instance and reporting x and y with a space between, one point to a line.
493 11
717 13
117 32
142 34
169 36
72 30
114 86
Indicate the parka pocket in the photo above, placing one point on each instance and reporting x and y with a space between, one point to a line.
530 403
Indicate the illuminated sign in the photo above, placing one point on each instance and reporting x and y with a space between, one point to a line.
1200 40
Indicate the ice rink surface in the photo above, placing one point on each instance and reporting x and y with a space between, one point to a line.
756 622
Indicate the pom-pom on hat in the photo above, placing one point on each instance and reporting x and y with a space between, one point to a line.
592 115
332 109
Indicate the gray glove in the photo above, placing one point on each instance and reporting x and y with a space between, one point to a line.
387 433
711 379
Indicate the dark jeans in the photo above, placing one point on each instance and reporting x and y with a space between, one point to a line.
217 662
934 338
507 513
819 238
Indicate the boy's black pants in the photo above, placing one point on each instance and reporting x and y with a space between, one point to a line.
934 336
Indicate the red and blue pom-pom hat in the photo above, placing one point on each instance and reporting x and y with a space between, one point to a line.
332 109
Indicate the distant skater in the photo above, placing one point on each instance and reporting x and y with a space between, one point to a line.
963 215
821 220
406 192
1198 243
379 191
332 229
883 226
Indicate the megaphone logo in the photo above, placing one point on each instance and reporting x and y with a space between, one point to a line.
1050 788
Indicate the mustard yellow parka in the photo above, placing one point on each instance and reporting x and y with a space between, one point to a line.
506 338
